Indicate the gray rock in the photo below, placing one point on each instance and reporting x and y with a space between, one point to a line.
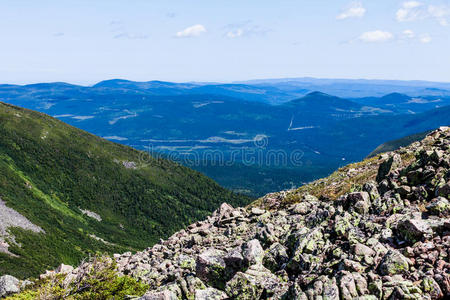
64 269
257 211
439 206
371 188
255 282
414 230
359 201
347 286
211 267
9 285
394 263
430 286
388 166
363 250
253 252
276 257
210 294
163 295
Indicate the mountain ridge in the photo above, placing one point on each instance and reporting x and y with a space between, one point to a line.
88 194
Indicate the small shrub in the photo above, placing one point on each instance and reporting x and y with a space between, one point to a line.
98 279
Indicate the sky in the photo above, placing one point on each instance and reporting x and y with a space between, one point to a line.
83 42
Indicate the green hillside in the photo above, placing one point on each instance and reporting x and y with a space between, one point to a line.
49 171
396 144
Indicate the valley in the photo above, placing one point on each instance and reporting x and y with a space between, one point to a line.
238 134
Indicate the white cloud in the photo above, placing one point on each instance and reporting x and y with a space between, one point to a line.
377 36
425 39
235 33
354 10
440 13
244 29
410 11
412 36
192 31
409 34
414 11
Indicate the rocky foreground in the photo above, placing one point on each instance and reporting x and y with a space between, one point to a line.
385 236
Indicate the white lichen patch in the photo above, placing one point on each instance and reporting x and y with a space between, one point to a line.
91 214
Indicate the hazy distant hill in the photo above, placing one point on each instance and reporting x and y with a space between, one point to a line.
231 132
396 144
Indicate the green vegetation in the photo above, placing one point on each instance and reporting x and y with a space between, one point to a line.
50 170
100 281
344 180
396 144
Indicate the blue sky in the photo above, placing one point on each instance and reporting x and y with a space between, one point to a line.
216 40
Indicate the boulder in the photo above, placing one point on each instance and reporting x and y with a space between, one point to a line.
254 283
362 250
388 166
414 230
443 190
276 257
393 263
431 287
234 258
190 284
9 285
347 286
163 295
253 252
256 211
439 206
64 269
210 294
211 267
359 201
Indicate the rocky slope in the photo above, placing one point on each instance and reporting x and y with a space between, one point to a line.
379 229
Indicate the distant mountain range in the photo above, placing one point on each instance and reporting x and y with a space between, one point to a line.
253 137
356 88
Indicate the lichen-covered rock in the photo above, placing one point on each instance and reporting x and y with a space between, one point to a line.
211 267
276 257
241 286
401 289
414 230
394 263
439 206
388 166
443 190
254 283
431 287
359 201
